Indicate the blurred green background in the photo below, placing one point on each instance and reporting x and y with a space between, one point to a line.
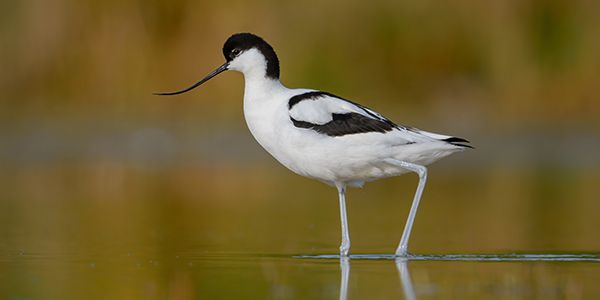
94 169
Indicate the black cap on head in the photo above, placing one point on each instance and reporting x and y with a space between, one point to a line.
240 42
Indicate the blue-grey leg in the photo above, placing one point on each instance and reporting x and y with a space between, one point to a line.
345 268
407 285
422 172
345 246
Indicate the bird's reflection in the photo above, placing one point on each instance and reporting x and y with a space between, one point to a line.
405 280
345 270
403 273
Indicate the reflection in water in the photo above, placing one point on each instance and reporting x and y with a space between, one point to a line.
345 270
403 273
136 273
407 282
407 285
515 286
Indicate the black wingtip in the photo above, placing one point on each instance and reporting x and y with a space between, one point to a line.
456 141
463 145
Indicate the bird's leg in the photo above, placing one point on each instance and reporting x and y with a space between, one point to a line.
422 172
345 246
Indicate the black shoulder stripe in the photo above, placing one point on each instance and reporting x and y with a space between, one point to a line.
343 124
317 94
309 95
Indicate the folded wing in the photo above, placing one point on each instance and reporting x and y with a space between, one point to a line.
334 116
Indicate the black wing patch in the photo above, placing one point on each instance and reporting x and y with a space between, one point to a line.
343 124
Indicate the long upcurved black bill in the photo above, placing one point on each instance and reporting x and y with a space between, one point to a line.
212 74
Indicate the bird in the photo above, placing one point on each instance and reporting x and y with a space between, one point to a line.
323 136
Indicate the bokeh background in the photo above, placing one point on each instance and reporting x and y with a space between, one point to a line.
94 168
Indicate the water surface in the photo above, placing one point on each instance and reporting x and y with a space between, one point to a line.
189 275
112 231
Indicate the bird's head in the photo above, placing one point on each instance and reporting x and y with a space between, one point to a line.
246 53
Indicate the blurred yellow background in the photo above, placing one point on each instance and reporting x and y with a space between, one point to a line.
91 163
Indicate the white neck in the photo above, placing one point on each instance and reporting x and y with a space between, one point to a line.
258 86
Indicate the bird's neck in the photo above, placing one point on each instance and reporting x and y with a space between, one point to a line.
257 85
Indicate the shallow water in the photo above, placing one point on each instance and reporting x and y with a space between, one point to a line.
189 275
107 231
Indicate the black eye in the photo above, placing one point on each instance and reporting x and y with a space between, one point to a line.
235 52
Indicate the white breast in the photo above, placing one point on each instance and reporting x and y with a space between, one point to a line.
265 111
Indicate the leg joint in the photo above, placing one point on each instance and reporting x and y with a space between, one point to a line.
419 169
422 171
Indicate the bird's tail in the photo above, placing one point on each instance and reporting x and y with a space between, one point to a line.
452 140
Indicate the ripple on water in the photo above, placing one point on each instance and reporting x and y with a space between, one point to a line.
468 257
